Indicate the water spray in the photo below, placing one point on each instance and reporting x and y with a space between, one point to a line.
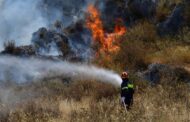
21 70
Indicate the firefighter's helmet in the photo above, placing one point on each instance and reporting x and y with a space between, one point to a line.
124 75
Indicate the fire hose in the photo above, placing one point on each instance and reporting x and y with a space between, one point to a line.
123 101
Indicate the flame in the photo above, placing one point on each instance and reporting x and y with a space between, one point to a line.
107 41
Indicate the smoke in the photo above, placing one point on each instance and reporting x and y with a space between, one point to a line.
68 11
19 19
21 71
11 95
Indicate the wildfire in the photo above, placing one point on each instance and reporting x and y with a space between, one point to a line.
106 40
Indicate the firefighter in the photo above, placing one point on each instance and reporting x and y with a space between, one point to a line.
127 91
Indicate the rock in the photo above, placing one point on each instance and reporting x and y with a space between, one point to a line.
156 72
179 18
174 22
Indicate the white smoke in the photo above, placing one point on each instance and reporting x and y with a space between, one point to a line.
19 72
19 19
9 96
27 70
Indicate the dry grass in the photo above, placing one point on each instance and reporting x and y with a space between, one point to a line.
93 101
158 103
142 31
135 45
56 101
177 55
32 111
141 46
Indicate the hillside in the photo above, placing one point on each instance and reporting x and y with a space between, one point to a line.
70 69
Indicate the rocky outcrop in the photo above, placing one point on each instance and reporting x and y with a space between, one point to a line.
173 23
156 72
179 18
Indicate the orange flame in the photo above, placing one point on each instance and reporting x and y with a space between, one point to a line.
107 41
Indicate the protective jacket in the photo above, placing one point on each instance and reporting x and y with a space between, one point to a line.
127 88
127 91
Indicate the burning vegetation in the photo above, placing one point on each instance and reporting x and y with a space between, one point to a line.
38 82
107 42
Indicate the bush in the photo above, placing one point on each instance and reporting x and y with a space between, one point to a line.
142 31
10 46
80 89
135 45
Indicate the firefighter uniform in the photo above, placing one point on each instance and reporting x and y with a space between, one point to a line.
127 91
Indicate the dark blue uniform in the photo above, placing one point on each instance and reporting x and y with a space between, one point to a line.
127 91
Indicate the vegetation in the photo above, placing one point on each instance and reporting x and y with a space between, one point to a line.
95 101
10 46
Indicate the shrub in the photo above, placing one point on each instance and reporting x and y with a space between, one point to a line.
135 45
80 89
9 46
